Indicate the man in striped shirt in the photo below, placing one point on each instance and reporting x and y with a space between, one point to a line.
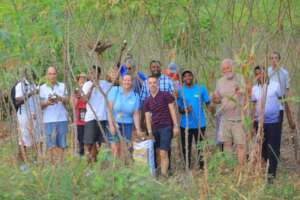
165 84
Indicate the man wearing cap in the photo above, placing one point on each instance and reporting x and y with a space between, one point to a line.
191 98
172 73
229 94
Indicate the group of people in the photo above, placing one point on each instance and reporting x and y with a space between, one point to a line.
159 105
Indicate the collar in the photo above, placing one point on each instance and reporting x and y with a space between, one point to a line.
122 91
49 85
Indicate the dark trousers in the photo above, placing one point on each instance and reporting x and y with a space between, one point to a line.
271 145
80 134
198 137
281 115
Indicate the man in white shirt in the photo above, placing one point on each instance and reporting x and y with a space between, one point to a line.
268 93
280 75
27 113
53 95
96 112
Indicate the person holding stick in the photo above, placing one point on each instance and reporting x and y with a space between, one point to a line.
26 94
229 94
266 97
125 106
280 75
53 95
191 98
95 118
161 121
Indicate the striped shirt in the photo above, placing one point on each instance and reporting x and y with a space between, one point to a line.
159 109
165 85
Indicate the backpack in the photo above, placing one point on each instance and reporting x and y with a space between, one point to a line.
13 97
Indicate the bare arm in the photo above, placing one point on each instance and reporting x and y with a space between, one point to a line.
47 103
88 95
174 118
148 122
111 119
136 119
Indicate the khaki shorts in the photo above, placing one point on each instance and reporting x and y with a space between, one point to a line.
232 131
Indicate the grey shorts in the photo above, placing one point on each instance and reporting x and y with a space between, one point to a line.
93 133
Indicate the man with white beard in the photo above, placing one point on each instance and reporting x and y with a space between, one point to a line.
229 94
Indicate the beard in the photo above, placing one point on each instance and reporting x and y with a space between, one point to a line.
156 74
229 75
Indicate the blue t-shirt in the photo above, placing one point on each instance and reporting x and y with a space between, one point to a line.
123 105
194 96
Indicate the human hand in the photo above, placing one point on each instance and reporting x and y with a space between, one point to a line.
176 131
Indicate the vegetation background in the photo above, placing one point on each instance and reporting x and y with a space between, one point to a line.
196 34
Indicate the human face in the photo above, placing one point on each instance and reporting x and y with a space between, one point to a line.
152 83
51 75
127 82
93 74
274 59
81 80
155 69
188 78
227 70
260 75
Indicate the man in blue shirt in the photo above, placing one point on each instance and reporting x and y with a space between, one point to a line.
191 98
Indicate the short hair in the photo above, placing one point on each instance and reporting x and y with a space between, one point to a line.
152 76
97 68
258 67
277 53
51 66
187 72
154 61
31 73
228 61
127 74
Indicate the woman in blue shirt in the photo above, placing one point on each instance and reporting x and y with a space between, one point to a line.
124 105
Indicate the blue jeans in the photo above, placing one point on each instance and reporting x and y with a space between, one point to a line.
56 134
125 131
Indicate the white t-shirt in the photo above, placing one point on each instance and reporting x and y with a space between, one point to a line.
29 107
96 101
56 112
281 76
272 106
